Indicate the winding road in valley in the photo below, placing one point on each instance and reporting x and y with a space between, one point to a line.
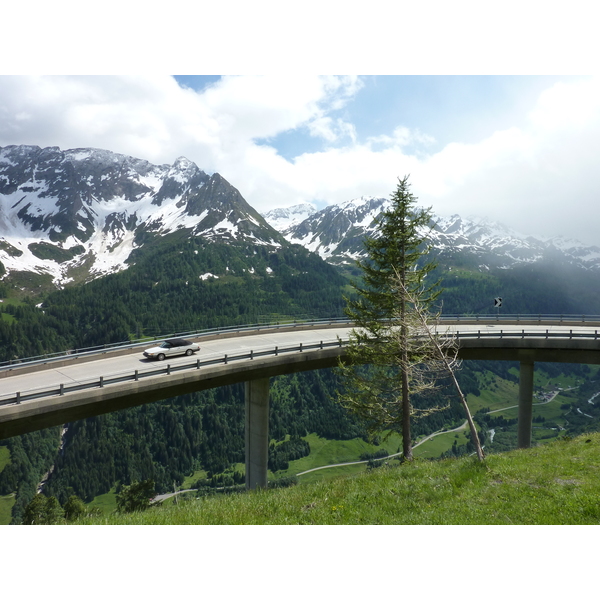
360 462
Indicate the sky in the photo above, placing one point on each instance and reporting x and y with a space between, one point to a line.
522 150
492 113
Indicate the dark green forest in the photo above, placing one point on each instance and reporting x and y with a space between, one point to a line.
164 292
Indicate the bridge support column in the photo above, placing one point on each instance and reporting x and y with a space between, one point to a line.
257 433
525 404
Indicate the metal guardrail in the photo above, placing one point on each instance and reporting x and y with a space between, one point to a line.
529 318
446 319
167 370
523 334
102 349
93 350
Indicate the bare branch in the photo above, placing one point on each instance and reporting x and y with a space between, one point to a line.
444 349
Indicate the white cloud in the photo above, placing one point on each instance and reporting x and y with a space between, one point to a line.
332 130
154 118
540 177
400 138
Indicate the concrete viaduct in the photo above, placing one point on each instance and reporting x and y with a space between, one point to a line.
49 391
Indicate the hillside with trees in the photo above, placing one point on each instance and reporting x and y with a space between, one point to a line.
180 284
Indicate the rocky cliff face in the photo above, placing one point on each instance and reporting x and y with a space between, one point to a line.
78 214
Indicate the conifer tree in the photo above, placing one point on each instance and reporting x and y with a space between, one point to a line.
380 393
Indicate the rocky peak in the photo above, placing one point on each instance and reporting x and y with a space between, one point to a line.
105 204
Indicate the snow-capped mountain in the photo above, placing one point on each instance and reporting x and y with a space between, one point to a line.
336 233
85 210
284 218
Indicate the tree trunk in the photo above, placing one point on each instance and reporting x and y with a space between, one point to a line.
406 441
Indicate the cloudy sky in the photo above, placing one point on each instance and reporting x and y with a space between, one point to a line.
519 149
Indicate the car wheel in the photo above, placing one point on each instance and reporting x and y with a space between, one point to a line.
161 357
188 352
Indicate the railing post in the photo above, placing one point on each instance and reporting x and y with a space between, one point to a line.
18 396
62 389
136 375
101 381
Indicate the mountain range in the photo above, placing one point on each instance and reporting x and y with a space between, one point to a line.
336 234
76 215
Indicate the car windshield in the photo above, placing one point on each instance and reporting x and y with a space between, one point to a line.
165 345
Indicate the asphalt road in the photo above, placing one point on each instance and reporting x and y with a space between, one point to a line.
109 365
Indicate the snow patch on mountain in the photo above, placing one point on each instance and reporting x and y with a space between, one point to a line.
337 232
283 218
87 209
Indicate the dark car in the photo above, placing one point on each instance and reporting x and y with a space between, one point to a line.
172 347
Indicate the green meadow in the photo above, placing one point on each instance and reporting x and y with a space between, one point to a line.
556 483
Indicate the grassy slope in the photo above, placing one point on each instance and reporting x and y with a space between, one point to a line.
6 502
4 457
497 394
556 483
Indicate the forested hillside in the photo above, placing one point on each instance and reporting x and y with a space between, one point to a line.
181 283
178 284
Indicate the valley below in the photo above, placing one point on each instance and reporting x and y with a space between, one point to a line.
99 248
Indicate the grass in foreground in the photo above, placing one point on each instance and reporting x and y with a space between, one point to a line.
6 504
557 483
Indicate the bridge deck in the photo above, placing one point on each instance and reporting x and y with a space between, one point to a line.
102 383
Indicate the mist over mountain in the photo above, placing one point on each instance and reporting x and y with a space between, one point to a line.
73 216
76 215
284 218
336 233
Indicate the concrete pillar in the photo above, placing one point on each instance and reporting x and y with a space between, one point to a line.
257 433
525 404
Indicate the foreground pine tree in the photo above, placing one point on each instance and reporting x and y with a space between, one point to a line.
395 367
